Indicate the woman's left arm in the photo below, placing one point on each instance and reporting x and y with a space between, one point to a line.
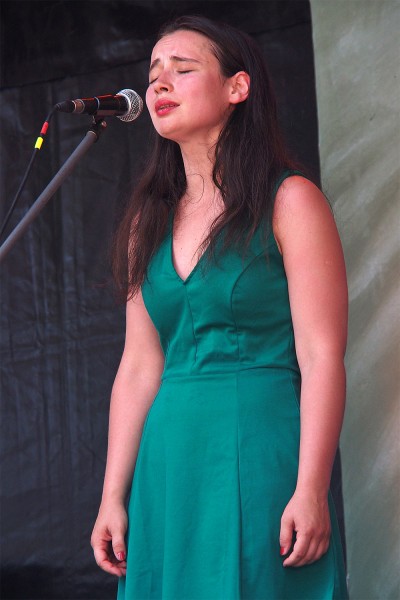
308 239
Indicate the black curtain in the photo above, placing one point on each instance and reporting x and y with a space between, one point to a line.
62 330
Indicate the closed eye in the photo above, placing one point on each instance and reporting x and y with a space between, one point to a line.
180 73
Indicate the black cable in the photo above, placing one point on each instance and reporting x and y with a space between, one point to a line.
36 149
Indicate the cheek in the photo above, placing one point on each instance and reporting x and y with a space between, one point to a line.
148 97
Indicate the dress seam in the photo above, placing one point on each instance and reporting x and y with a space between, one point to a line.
193 329
227 373
239 490
237 332
256 257
236 327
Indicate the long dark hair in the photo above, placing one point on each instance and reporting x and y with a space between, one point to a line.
249 157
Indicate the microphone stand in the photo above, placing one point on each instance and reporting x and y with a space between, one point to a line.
92 135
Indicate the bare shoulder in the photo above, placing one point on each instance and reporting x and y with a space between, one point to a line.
302 215
299 189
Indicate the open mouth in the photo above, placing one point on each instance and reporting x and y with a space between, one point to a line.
165 107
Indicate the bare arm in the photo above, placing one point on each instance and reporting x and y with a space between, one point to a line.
135 386
314 264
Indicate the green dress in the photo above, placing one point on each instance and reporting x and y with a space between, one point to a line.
218 457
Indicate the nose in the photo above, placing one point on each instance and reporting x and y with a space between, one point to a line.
163 83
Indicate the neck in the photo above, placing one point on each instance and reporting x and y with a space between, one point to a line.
198 162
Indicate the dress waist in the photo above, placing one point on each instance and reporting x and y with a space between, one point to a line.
239 371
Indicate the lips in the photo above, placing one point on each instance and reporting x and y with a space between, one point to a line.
163 107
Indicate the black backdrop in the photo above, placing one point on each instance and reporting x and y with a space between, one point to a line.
62 331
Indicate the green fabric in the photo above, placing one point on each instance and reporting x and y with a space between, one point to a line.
218 457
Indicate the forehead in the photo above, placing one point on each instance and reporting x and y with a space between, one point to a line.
186 43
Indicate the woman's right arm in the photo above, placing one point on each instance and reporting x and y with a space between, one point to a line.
135 386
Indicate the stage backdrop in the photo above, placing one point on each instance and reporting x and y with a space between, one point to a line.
356 47
62 331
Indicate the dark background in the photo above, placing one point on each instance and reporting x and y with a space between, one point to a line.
61 328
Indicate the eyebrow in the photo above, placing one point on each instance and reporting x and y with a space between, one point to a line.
174 59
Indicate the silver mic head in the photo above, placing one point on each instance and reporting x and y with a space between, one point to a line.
135 104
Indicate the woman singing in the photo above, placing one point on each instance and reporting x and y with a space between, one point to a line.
228 402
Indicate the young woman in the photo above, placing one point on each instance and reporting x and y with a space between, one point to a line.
228 402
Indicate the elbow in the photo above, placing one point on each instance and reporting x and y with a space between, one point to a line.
322 359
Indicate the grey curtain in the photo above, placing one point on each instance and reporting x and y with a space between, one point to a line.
357 52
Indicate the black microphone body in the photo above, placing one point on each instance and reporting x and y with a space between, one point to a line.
103 106
126 105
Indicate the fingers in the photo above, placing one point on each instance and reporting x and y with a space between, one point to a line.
307 549
119 548
286 535
106 559
299 553
108 543
305 530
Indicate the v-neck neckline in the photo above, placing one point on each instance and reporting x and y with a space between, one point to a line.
171 254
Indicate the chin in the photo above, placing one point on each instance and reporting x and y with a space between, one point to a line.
169 135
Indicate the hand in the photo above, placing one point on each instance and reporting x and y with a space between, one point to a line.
108 539
307 517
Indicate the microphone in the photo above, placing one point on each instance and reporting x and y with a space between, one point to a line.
126 105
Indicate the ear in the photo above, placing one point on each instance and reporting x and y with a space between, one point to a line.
240 87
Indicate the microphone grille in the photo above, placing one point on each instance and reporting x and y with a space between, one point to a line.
135 105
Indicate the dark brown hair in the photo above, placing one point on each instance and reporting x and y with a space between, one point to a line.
249 157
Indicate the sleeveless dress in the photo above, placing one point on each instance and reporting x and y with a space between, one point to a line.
218 457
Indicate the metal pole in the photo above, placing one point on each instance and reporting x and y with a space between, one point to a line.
90 138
